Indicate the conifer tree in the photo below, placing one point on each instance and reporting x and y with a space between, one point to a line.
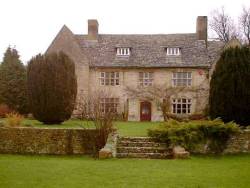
230 86
13 82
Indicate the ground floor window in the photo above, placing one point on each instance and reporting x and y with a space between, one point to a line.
181 106
109 105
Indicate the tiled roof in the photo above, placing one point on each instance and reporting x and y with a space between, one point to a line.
147 50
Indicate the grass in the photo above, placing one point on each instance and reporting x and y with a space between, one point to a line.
124 128
134 128
23 171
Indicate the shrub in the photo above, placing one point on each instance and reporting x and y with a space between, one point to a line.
229 96
14 119
4 110
191 134
52 87
13 82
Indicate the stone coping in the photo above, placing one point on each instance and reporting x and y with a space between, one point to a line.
43 128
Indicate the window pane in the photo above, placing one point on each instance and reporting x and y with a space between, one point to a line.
184 75
174 108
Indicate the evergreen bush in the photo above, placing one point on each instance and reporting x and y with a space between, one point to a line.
191 134
52 87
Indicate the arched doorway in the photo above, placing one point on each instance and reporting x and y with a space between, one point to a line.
145 111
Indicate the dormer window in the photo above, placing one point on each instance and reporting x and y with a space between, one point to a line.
173 51
123 51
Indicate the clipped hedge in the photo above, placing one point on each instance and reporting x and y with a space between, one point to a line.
190 134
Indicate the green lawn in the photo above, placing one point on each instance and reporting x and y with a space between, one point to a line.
124 128
20 171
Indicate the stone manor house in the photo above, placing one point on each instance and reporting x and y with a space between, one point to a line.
138 72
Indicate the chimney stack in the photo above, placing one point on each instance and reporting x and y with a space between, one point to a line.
92 29
201 28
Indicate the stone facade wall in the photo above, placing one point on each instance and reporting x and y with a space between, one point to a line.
46 141
161 77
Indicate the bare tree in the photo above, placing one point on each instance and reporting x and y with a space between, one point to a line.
222 24
244 21
90 109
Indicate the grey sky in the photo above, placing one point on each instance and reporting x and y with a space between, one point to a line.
31 25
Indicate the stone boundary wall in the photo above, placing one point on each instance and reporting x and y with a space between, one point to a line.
25 140
239 143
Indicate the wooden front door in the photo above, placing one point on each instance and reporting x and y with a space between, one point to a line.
145 111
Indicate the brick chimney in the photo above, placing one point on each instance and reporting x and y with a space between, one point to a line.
92 29
201 28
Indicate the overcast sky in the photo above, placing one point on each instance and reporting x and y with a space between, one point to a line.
31 25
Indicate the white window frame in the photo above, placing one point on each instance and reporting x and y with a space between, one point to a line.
109 78
109 105
182 79
181 105
173 51
123 51
146 79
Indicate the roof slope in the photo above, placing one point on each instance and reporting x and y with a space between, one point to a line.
65 41
146 50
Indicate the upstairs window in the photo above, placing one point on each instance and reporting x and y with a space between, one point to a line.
173 51
109 78
145 78
182 78
123 51
181 106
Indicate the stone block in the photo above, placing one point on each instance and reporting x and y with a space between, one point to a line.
105 153
180 153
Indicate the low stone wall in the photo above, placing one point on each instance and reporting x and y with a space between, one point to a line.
239 143
47 141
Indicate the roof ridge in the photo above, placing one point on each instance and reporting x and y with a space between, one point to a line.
160 34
